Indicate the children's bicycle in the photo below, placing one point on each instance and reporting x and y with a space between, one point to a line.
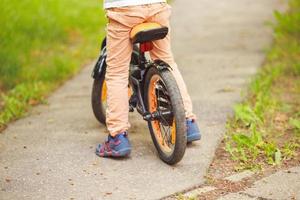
152 91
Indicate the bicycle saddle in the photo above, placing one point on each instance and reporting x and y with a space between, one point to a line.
147 32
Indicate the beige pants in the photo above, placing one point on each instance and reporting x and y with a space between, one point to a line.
119 49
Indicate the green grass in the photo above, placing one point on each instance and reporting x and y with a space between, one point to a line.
43 43
265 129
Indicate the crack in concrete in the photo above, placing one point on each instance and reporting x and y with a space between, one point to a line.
253 196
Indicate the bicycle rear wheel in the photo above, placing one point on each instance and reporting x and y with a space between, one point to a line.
168 130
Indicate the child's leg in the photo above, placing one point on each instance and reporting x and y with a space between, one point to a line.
119 49
162 50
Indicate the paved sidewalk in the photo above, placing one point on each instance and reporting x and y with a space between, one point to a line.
50 154
284 184
248 185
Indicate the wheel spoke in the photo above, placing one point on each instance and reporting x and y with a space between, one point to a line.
161 104
163 100
163 135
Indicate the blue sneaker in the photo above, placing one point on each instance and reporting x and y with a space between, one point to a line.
193 132
117 146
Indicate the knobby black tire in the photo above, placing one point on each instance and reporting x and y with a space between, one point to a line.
98 109
178 112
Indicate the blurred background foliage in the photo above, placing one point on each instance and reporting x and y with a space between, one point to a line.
266 127
43 42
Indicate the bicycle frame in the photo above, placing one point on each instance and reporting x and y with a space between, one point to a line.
136 79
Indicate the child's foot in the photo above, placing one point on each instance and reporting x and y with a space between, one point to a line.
193 132
117 146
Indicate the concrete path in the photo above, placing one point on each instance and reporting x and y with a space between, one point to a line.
248 185
50 154
281 185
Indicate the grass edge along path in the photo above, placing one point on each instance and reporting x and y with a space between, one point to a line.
265 129
44 46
